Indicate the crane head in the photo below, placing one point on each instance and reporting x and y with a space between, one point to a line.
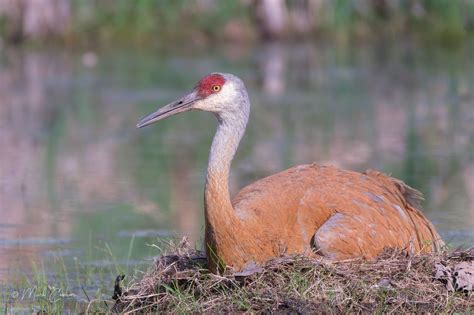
219 93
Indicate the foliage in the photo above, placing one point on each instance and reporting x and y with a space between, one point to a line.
146 20
60 284
159 21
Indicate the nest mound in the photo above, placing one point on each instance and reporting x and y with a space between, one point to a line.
394 282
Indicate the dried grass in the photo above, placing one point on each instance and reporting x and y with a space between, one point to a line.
394 282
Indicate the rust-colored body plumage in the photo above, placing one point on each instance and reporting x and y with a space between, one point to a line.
312 209
307 209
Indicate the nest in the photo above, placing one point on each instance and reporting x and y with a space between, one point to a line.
394 282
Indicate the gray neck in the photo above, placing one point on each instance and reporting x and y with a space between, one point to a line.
232 118
222 223
223 226
224 146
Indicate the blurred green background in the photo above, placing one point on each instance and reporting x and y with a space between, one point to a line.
101 22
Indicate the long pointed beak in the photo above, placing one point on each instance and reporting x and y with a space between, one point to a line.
180 105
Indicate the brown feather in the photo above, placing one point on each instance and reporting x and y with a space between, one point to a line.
336 213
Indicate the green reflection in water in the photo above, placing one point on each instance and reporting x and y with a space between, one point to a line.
105 228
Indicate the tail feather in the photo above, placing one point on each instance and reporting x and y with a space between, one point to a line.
413 199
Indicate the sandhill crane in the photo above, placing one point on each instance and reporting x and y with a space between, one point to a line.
307 209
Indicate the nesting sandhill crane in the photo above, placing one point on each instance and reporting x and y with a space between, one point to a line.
307 209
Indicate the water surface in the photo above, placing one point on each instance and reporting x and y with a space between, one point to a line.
78 179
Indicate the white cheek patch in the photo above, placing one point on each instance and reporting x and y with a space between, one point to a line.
221 98
218 101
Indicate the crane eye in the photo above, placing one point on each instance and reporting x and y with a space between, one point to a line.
216 88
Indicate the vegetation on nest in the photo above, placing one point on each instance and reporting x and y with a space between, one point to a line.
395 281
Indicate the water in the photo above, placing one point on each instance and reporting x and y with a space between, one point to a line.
79 180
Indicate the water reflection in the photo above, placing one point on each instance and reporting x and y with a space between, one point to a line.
75 169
